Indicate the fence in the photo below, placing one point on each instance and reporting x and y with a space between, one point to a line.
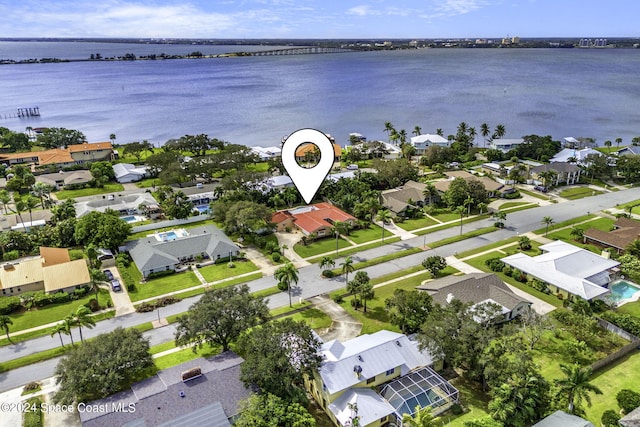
168 223
635 343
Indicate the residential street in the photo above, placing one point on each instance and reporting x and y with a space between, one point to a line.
310 283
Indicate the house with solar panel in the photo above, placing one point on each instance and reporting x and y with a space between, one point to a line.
377 378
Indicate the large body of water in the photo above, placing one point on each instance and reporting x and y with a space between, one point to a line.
257 100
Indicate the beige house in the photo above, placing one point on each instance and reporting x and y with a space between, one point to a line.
62 157
52 271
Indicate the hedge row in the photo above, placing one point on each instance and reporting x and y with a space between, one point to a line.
627 322
155 304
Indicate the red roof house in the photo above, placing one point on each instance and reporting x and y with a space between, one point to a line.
317 218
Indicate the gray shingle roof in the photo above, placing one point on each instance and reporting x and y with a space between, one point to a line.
562 419
158 401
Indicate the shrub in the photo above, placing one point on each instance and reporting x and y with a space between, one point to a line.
456 409
495 264
507 271
356 303
231 265
338 298
610 418
328 274
514 195
75 254
275 257
34 385
163 273
628 400
521 277
131 287
11 255
123 258
93 305
627 322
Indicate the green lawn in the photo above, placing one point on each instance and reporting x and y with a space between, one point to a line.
162 285
313 317
72 194
465 220
259 167
578 193
472 398
216 272
567 223
604 224
413 224
632 308
358 249
148 183
184 355
445 215
319 247
508 205
226 283
461 237
511 240
363 235
52 313
534 194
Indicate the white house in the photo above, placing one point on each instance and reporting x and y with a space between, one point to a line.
127 172
506 145
568 268
266 153
571 153
422 142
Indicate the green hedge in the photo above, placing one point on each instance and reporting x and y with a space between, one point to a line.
627 322
9 304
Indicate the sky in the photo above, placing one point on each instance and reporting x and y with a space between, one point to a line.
379 19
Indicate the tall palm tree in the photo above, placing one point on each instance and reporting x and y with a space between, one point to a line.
383 216
485 132
472 134
5 199
482 206
60 328
5 321
388 128
327 263
607 144
394 137
417 131
462 128
69 323
112 137
31 203
547 220
429 192
500 131
82 317
402 136
576 385
337 229
39 190
286 275
469 202
19 206
618 142
423 417
460 210
439 132
347 267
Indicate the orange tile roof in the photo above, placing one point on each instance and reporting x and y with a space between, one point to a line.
318 218
53 256
90 146
304 148
55 156
280 216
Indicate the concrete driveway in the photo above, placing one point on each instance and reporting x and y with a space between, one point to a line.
290 239
121 301
343 326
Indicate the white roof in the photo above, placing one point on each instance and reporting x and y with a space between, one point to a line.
335 177
271 151
372 354
571 140
27 224
371 406
579 155
123 169
568 267
434 139
515 141
279 181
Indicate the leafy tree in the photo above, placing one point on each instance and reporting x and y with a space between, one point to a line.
102 172
547 220
524 243
220 316
5 321
158 162
423 417
576 386
435 155
64 210
628 400
393 173
499 218
434 264
286 275
14 141
136 149
610 418
60 137
102 366
247 217
267 410
287 347
361 289
177 205
408 310
533 326
457 193
5 199
520 401
630 266
105 230
483 422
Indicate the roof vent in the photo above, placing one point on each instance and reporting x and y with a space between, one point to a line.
8 266
360 358
398 343
357 369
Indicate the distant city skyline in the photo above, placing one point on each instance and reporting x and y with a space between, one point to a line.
374 19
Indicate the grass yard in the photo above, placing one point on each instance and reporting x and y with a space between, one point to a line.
52 313
461 237
184 355
632 308
318 247
604 224
230 282
567 223
578 193
357 249
204 221
413 224
473 400
83 192
465 220
534 194
508 205
259 167
213 273
511 240
163 285
316 319
148 183
363 235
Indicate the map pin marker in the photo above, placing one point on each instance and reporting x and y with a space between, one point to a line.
307 180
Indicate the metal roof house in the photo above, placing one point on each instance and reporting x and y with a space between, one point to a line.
568 268
210 400
169 250
384 374
127 172
561 418
422 142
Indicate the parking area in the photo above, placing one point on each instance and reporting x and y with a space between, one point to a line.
121 301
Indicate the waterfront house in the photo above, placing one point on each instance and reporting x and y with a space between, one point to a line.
506 145
568 269
307 149
171 398
315 219
624 232
384 375
62 157
476 288
490 185
267 153
52 271
162 251
422 142
574 155
127 172
563 172
378 149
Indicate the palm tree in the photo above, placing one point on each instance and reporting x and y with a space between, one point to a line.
384 216
347 267
31 203
60 328
402 136
472 134
460 210
500 217
5 199
394 137
500 131
429 192
388 128
39 190
547 220
607 144
69 323
82 317
633 248
423 417
439 132
337 229
327 263
417 131
5 321
576 385
462 128
618 142
577 233
485 132
469 202
286 275
482 206
19 206
112 137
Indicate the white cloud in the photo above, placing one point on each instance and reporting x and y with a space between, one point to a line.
459 7
362 10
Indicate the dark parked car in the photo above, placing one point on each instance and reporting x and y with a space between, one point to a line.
115 285
540 188
108 273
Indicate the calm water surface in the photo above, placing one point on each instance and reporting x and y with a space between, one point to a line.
257 100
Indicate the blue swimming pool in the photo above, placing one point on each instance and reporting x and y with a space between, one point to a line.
203 208
129 218
168 236
623 290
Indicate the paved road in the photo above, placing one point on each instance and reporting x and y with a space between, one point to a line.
310 283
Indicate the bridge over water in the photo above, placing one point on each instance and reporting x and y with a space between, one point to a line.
300 51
